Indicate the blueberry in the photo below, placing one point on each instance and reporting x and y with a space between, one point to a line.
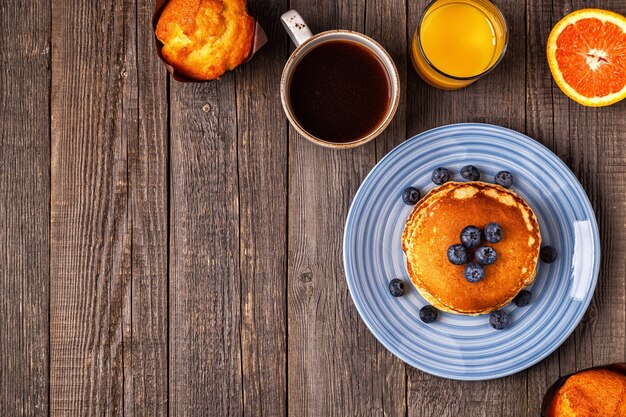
523 298
440 175
493 233
396 287
499 319
504 178
485 255
471 236
411 195
470 173
428 314
548 254
473 272
458 254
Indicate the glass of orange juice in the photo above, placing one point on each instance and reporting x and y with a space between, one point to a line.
458 41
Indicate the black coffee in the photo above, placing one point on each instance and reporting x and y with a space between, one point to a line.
339 91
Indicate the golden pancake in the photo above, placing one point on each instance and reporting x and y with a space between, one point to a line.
592 393
202 39
436 223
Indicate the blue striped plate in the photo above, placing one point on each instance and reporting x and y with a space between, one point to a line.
462 347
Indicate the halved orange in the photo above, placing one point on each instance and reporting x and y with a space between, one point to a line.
587 56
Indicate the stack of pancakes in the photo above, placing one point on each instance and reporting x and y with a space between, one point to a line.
436 223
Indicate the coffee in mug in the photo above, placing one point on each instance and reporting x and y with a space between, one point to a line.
339 88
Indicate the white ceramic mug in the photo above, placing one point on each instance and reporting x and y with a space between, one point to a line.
305 41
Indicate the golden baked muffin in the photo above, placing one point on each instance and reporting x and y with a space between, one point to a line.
202 39
436 223
592 393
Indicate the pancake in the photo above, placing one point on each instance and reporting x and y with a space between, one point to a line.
436 223
592 393
202 39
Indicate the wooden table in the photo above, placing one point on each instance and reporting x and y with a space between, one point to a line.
175 249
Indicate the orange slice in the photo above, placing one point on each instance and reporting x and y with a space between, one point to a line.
587 56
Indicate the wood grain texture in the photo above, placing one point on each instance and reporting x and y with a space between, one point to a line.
378 18
496 99
146 378
262 171
24 207
379 14
592 140
540 125
90 239
205 281
335 366
175 249
585 139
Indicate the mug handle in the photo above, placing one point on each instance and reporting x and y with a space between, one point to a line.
296 27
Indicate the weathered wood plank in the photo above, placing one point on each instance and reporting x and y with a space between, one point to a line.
229 182
24 207
379 17
494 99
205 281
594 141
336 367
146 358
540 125
90 238
588 141
262 169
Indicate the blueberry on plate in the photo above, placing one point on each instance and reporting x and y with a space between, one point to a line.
499 319
493 233
548 254
411 195
458 254
471 236
396 287
440 175
523 298
485 255
470 173
504 178
473 272
428 314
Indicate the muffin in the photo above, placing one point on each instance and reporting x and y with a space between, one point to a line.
436 223
591 393
202 39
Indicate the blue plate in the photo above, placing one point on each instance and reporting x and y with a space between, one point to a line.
463 347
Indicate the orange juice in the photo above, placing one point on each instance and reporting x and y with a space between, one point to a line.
457 42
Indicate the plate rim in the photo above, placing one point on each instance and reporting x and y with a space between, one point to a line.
585 202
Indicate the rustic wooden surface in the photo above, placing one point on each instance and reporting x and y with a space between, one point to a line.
175 249
24 208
